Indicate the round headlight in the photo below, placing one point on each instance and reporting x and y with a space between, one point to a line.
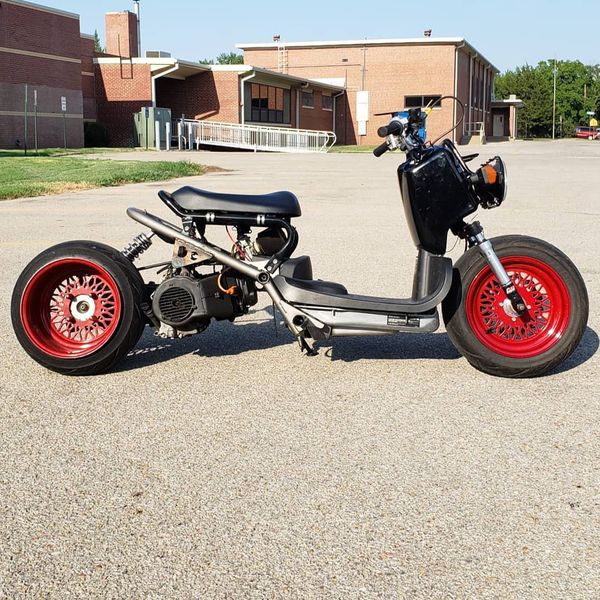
489 182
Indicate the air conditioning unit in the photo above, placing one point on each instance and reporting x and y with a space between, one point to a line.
157 54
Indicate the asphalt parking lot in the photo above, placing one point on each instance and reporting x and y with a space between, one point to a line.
228 465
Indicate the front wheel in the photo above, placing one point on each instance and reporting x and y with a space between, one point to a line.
484 327
76 308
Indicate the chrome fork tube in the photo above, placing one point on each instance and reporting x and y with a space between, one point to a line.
476 237
487 251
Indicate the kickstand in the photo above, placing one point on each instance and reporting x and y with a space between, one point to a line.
306 347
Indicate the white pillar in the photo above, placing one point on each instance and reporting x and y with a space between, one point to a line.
157 134
168 135
190 137
179 134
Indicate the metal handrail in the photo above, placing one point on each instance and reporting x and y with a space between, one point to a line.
474 127
255 137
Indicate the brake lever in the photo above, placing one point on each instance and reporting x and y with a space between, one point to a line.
469 157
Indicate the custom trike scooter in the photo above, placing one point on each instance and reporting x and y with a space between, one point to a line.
514 306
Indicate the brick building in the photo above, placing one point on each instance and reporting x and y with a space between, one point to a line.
325 86
42 61
389 75
229 93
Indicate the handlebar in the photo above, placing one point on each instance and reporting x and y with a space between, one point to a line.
392 128
381 149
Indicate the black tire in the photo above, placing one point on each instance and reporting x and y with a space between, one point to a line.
478 318
37 288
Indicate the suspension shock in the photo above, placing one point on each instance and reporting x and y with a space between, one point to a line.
138 245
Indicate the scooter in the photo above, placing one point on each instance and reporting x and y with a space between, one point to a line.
513 306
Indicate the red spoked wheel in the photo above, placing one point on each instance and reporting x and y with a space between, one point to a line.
76 307
497 325
488 332
70 308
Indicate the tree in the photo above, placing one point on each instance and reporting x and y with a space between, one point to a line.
97 45
225 58
230 58
577 92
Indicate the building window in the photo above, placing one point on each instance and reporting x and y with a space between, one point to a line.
421 101
269 104
326 102
308 100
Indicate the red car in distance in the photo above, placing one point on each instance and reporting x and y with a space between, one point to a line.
588 133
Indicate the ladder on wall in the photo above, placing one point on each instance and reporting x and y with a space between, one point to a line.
282 58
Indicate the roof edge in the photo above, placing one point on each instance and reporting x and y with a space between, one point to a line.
454 41
42 8
364 42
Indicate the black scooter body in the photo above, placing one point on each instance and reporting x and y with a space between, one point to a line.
435 195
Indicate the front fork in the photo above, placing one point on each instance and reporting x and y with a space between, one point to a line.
473 233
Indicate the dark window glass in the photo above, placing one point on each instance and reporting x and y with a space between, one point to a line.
413 101
269 104
327 102
421 101
428 99
308 100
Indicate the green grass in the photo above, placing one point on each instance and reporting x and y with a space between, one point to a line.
36 176
365 148
63 151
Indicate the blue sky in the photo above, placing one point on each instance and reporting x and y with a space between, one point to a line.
508 33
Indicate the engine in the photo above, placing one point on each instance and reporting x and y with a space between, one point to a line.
187 303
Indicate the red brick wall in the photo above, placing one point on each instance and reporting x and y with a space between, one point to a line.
121 90
88 83
213 95
121 34
59 74
38 31
390 74
316 117
479 109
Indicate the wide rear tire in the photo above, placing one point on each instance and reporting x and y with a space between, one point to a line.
76 308
490 335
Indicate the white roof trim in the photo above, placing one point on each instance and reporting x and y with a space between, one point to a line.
88 36
235 68
365 42
297 79
425 41
40 7
159 61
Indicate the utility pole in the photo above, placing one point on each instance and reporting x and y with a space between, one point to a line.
25 113
35 116
555 71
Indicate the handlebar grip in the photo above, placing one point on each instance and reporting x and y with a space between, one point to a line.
381 149
392 128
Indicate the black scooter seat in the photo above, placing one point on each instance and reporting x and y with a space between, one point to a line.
194 201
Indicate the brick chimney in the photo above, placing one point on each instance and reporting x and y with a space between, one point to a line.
122 34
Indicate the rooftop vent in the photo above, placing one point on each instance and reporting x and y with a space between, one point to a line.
157 54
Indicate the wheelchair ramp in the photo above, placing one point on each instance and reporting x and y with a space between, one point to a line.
191 134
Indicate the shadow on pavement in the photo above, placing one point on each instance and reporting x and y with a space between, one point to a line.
227 339
586 349
407 345
220 339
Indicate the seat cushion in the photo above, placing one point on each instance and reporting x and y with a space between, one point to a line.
193 200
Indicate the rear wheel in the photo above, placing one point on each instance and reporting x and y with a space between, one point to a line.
483 325
76 308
